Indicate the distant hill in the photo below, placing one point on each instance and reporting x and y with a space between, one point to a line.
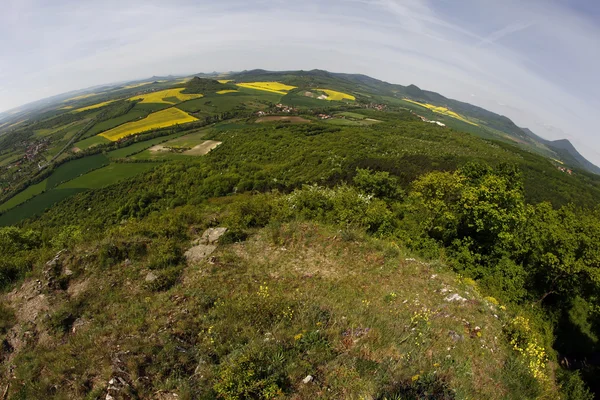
566 152
494 125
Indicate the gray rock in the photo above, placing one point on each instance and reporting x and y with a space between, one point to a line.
151 277
455 336
212 235
199 252
308 379
455 297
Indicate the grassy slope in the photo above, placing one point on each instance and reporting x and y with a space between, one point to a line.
293 300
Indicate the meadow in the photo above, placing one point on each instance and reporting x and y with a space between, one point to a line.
188 140
139 146
160 119
168 96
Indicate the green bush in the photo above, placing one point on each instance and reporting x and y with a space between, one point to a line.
164 254
252 373
572 386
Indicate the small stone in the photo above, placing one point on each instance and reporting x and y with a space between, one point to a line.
151 277
455 336
455 297
68 272
308 379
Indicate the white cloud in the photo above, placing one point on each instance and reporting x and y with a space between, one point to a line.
537 57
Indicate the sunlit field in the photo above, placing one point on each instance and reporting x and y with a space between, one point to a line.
337 96
93 106
442 110
168 96
273 87
159 119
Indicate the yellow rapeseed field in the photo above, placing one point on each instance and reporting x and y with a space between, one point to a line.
224 80
226 91
273 87
165 96
442 110
160 119
338 96
94 106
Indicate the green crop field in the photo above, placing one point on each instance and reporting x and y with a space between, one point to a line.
106 176
139 146
23 196
91 141
36 205
75 168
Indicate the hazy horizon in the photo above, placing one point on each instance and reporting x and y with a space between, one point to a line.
535 63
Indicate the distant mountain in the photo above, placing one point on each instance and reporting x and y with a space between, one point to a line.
565 150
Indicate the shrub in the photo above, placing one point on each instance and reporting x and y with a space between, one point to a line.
165 254
572 386
251 374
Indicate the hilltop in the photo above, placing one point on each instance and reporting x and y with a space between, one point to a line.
296 234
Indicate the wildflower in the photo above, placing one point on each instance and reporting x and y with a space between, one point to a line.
416 377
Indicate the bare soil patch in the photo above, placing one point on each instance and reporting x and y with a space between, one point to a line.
292 119
158 148
203 148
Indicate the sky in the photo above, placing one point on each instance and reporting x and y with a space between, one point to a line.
535 61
